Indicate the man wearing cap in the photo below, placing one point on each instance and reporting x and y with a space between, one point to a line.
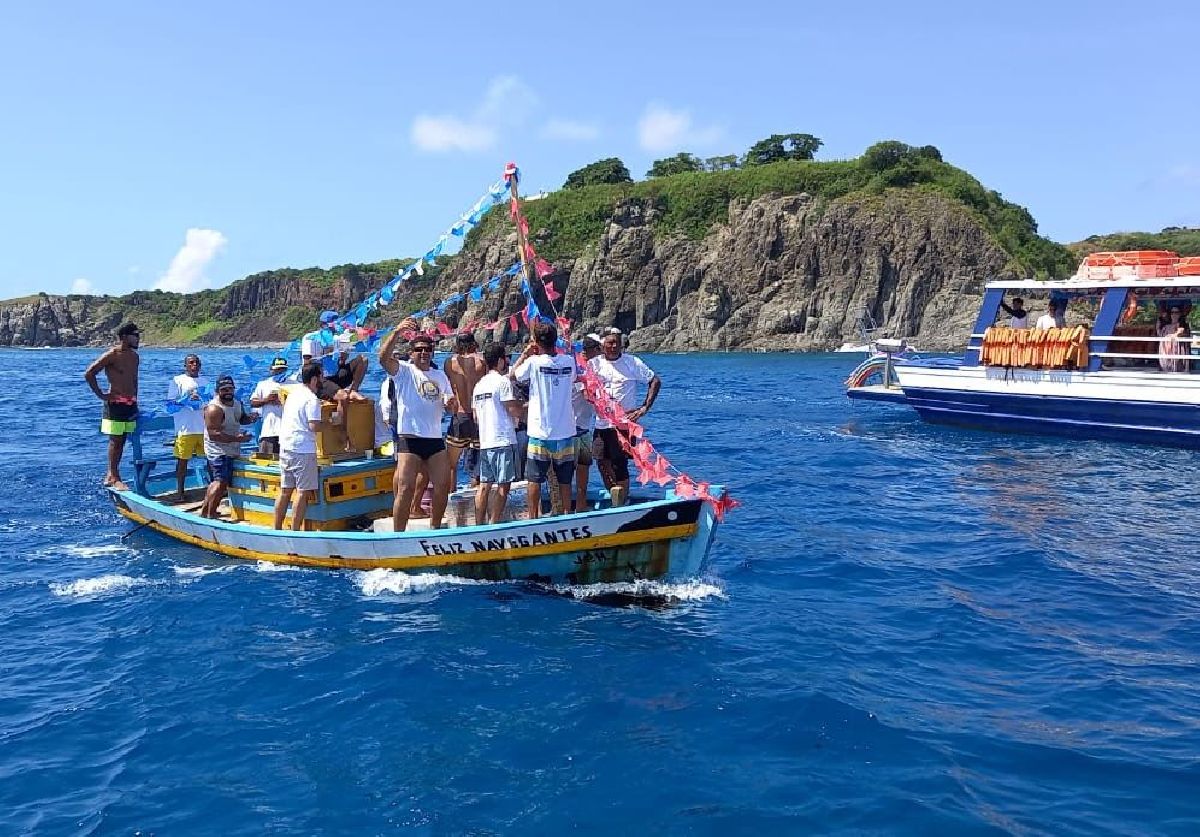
120 366
184 392
465 369
421 394
621 373
266 398
223 437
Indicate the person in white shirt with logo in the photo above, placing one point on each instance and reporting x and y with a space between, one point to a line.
265 398
621 373
496 410
189 421
298 428
421 395
551 380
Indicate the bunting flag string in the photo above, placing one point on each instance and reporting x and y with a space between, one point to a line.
652 466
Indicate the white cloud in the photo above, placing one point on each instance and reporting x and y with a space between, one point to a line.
186 272
83 286
664 129
566 129
506 103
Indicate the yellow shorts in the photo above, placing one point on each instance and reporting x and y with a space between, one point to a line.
189 445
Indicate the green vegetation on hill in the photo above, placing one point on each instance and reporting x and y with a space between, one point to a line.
1183 240
692 201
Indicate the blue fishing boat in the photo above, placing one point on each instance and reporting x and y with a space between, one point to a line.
652 537
1125 373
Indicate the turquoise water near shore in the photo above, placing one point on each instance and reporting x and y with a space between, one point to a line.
906 629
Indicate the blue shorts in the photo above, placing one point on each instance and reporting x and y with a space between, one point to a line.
221 468
498 465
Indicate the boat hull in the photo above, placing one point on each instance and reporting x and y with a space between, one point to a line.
659 539
1136 407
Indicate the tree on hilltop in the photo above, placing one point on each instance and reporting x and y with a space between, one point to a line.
779 147
608 170
680 163
722 163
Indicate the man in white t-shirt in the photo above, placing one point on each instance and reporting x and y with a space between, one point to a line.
551 380
621 373
298 428
496 411
265 399
585 423
184 390
421 395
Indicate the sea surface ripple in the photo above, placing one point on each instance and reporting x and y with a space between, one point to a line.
905 629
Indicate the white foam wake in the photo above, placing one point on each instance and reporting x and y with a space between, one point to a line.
96 586
378 581
672 591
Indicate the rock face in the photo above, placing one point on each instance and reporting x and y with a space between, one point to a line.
784 273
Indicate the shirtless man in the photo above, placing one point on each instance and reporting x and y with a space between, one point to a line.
120 366
464 369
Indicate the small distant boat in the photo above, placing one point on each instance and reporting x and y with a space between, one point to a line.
1116 378
870 334
652 537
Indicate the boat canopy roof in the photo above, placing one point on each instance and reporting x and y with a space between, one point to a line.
1097 286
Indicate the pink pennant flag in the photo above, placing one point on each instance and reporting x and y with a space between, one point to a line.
685 489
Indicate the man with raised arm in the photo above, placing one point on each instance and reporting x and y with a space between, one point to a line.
464 369
496 411
421 394
120 366
551 379
621 373
184 390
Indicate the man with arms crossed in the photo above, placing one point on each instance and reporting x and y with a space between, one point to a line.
421 393
120 365
621 374
184 390
551 379
496 412
298 430
464 369
223 437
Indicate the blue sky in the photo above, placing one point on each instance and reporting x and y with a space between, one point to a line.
163 144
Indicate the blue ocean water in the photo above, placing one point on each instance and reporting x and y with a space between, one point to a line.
905 629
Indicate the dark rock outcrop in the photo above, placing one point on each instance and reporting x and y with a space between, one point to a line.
784 273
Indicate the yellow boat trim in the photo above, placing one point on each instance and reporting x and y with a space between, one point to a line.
663 533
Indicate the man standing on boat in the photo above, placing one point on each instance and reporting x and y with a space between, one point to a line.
120 366
184 392
223 437
298 428
585 424
620 373
1019 316
496 410
551 379
421 393
266 398
465 369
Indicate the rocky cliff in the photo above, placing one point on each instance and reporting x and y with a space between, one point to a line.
783 272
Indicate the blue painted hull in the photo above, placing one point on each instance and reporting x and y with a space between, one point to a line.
1146 422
